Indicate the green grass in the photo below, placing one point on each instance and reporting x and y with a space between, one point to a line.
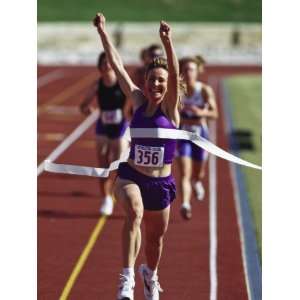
142 10
245 100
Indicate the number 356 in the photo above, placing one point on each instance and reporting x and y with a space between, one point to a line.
147 157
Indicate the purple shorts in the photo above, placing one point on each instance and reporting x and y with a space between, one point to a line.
113 131
187 148
157 192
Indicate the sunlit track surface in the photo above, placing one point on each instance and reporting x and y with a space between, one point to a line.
68 213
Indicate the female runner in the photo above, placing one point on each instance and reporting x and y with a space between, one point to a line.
198 105
111 125
144 184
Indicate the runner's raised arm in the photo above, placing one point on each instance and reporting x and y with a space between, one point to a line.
126 84
173 68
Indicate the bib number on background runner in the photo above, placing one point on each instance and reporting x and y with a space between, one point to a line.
111 116
149 156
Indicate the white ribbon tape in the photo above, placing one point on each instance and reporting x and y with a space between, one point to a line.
85 171
177 134
160 133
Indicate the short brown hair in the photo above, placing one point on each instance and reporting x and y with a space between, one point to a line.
157 62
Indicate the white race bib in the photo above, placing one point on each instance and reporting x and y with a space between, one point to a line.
149 156
111 116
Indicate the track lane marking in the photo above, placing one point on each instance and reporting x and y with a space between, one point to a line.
49 77
70 139
83 258
58 137
72 90
253 276
77 132
235 196
213 234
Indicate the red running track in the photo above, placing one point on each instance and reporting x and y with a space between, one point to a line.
68 213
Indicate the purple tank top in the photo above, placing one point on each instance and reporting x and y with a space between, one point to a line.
151 151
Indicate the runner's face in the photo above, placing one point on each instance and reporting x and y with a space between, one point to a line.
105 66
190 72
156 84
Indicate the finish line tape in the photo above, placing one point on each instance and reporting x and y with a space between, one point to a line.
160 133
65 144
199 141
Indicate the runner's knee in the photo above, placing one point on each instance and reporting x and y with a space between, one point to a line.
134 217
133 206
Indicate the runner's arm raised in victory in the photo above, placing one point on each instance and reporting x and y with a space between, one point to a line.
172 102
128 87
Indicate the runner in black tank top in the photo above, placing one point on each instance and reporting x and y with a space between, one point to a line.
111 125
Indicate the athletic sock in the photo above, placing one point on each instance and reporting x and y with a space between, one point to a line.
198 184
128 272
186 205
108 198
151 273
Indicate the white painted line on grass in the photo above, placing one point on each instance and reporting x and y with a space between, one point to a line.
49 77
70 139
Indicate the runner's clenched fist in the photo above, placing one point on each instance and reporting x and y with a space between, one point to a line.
165 32
99 22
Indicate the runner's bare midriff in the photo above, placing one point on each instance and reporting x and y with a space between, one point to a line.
163 171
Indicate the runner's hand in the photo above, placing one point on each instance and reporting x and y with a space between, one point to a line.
193 108
86 110
99 22
198 111
165 32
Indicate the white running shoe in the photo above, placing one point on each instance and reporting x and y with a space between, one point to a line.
126 287
186 210
106 208
200 191
151 284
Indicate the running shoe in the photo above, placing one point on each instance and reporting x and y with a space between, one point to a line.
151 284
126 287
200 191
186 211
106 208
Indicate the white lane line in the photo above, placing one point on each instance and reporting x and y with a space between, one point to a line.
49 77
240 226
63 110
70 139
213 234
213 230
237 200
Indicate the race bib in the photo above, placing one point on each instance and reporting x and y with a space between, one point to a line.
111 116
191 128
149 156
